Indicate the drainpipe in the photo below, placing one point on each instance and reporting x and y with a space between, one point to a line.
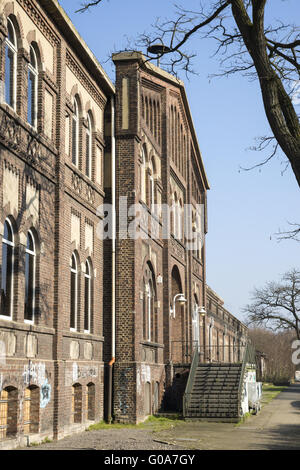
113 294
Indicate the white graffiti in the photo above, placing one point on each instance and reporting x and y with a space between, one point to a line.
80 372
35 373
145 373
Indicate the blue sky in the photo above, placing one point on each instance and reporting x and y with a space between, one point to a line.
245 209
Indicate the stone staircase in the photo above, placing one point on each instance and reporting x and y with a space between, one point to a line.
214 393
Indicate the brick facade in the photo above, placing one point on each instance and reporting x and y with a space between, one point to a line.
53 379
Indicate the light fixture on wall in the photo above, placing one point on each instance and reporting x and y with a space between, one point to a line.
180 299
201 311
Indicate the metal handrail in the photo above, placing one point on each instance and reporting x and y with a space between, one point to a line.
249 358
189 385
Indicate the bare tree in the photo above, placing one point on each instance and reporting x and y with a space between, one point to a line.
248 46
277 350
277 305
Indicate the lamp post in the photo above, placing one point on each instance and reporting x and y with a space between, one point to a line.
177 298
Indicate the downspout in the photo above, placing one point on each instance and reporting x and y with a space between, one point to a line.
113 260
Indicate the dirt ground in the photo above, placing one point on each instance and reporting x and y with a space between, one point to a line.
277 426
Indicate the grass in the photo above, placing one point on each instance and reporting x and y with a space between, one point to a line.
271 391
152 423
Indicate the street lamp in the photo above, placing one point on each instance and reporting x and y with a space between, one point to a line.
201 311
177 298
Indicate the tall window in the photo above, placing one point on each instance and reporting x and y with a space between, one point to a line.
7 270
74 292
149 320
32 106
87 297
10 65
75 134
152 186
143 176
88 162
30 276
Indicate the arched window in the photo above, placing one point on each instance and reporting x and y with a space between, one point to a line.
152 185
88 149
8 412
74 292
30 277
31 410
88 280
75 134
32 102
143 175
149 314
7 271
11 50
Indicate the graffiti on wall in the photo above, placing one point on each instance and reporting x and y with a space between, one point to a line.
77 372
45 395
34 373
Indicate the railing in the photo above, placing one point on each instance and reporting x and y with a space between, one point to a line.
244 355
189 385
182 352
249 358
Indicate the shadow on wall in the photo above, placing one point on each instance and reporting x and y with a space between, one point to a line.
173 397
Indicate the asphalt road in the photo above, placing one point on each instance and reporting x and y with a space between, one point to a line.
276 427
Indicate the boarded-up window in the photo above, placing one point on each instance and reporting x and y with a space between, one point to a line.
31 410
8 412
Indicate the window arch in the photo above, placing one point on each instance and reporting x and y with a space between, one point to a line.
11 51
74 291
88 296
32 96
75 133
30 278
89 147
8 245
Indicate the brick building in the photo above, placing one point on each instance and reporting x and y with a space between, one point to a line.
76 308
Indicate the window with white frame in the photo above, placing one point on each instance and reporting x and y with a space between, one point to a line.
32 101
87 296
74 292
143 176
30 278
11 50
7 271
75 134
89 148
